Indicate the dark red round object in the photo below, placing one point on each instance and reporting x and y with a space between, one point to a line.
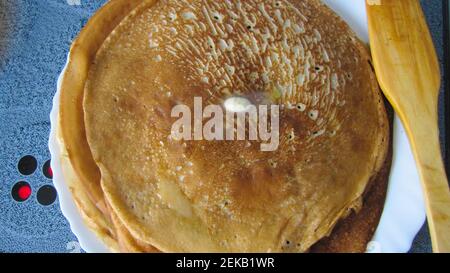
24 192
21 191
47 170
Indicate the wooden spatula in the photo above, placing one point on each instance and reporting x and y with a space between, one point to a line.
407 69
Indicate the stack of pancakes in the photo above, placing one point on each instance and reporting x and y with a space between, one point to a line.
142 191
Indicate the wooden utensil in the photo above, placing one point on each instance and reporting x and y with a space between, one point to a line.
408 71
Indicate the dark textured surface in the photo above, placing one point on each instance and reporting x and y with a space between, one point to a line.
35 36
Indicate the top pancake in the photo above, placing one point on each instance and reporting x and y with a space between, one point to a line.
200 196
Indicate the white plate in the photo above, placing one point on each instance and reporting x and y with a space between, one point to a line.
404 211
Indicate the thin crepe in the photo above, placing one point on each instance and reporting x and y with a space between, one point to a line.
228 196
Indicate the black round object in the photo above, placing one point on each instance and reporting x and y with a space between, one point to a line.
27 165
47 170
46 195
21 191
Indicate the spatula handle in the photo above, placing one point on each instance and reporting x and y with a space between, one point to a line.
426 148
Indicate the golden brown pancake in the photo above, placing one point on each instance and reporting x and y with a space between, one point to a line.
96 220
127 243
351 235
200 196
79 169
71 120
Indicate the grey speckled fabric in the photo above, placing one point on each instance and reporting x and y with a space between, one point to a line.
35 36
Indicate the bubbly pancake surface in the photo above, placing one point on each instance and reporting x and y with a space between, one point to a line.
201 196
